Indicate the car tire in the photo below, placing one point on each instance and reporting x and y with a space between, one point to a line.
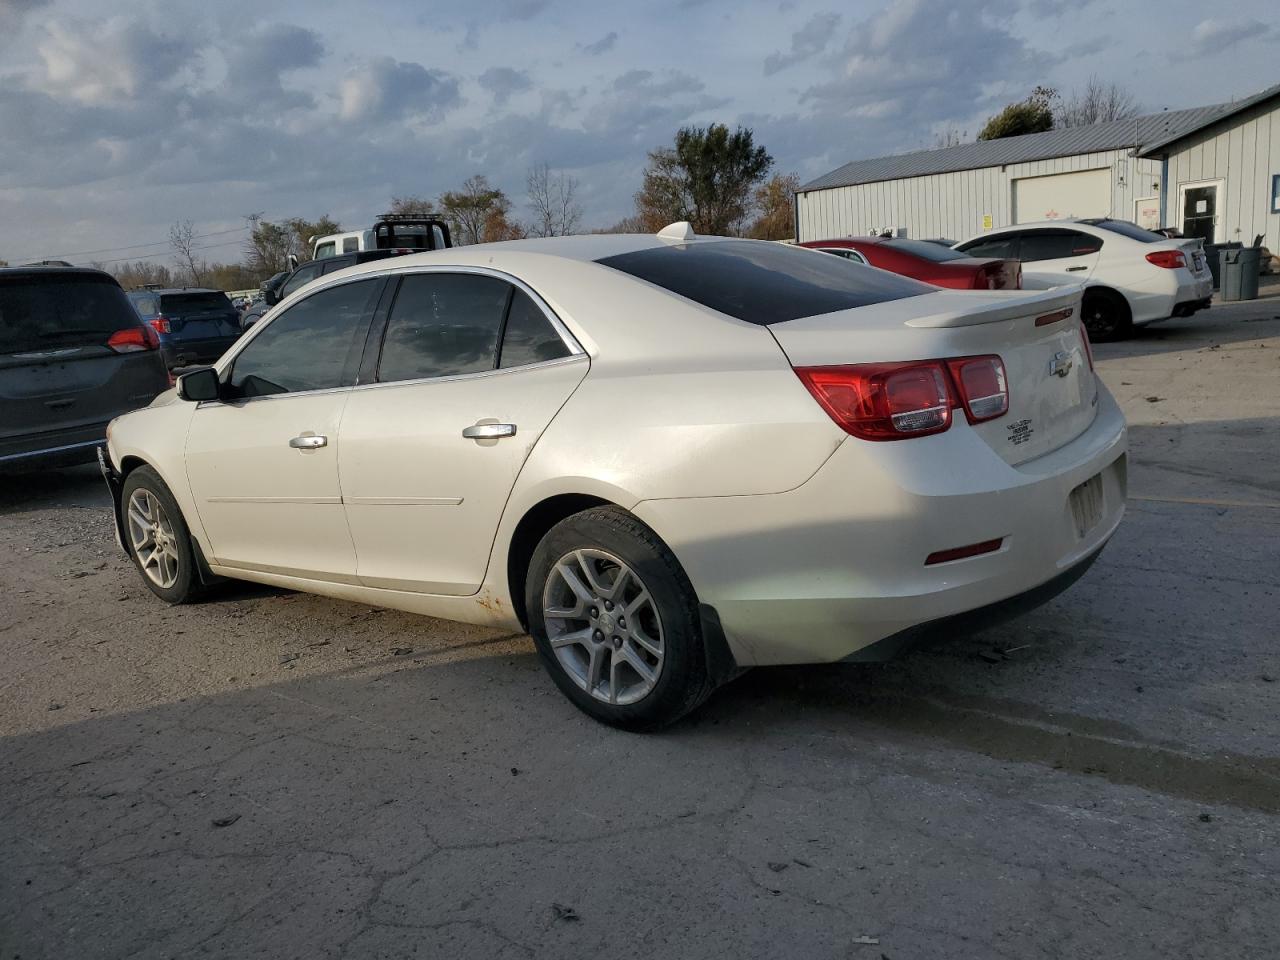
163 554
598 659
1106 316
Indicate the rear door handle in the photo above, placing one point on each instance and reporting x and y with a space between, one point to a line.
308 441
489 431
1074 269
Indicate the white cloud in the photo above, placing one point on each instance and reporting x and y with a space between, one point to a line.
385 89
1217 36
108 62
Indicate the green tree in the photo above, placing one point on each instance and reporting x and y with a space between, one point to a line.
478 213
707 178
270 244
1032 115
775 208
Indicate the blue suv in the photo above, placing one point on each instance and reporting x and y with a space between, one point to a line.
194 325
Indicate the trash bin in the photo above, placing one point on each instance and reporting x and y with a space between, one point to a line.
1240 273
1212 252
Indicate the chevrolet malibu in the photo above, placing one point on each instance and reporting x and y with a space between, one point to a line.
668 458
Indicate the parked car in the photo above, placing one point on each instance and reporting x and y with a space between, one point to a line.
283 284
927 261
73 354
1132 277
668 458
194 325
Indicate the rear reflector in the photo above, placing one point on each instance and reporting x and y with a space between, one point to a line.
1054 317
1088 347
1169 259
960 553
134 340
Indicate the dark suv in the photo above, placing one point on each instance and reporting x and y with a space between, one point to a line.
194 325
73 354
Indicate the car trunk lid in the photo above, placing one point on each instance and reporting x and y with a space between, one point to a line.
1038 337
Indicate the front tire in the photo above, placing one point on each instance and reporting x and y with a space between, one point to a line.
615 621
1106 316
158 539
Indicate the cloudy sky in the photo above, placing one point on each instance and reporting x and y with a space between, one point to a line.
118 118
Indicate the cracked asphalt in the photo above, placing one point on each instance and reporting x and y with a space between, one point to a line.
276 775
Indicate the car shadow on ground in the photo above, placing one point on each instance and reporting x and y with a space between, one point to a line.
1222 324
80 486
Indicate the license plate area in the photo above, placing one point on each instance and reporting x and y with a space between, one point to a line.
1086 505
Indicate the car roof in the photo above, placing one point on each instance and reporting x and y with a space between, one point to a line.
53 271
164 290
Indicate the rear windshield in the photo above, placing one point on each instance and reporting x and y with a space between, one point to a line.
762 282
180 303
147 304
923 248
1127 229
49 312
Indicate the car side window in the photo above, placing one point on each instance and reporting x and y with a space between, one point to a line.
350 244
1004 246
443 324
314 345
337 263
528 336
1056 245
302 276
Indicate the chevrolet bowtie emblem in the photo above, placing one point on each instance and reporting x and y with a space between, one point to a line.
1061 364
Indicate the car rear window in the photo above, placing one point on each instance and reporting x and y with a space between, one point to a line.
762 282
46 312
1127 229
180 303
147 306
926 250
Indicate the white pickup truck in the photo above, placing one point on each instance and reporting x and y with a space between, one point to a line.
406 232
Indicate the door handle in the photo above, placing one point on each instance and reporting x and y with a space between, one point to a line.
489 431
1074 269
308 441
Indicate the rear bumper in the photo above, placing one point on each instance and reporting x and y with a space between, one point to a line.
1169 291
55 448
836 565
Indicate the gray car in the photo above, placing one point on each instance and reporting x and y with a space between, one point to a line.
73 355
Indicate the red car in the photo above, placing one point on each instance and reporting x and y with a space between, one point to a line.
927 261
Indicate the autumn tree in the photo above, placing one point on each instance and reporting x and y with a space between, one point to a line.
478 213
774 202
1098 103
411 205
1032 115
552 198
707 178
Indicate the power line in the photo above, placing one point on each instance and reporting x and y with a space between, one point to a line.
136 246
150 256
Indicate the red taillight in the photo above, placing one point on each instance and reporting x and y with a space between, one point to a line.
1169 259
893 401
961 553
984 389
159 324
133 340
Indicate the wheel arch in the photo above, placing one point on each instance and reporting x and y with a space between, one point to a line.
1102 290
530 530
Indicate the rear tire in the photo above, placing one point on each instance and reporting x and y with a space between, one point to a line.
157 537
1106 316
615 621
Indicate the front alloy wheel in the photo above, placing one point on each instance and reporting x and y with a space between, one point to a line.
603 625
154 542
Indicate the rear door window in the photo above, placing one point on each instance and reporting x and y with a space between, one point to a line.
314 345
1056 245
761 282
528 336
57 311
1004 246
442 325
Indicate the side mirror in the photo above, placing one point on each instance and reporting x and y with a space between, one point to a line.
199 384
271 296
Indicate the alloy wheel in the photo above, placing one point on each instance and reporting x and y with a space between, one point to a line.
603 625
154 542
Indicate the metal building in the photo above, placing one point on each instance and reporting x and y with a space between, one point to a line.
1210 171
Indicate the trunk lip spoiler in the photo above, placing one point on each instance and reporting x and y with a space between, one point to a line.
1019 304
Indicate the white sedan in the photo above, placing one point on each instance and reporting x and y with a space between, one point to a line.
1132 277
668 458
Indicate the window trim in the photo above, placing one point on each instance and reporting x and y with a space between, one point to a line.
849 253
384 315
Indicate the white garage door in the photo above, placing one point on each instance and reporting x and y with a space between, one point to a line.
1085 193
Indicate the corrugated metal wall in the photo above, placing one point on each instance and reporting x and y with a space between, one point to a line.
1245 155
954 204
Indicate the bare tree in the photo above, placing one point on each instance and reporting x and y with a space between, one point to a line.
182 237
1097 103
556 212
413 205
952 136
